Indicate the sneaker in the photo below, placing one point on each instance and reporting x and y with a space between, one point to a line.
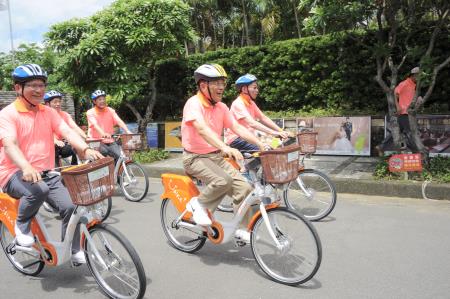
22 239
198 212
242 235
79 257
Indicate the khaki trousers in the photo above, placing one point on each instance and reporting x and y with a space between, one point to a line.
219 177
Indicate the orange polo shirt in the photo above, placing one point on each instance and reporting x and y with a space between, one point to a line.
66 118
405 90
106 118
33 131
242 107
217 117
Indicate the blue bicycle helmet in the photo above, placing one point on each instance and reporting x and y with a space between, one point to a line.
97 93
28 72
245 80
51 95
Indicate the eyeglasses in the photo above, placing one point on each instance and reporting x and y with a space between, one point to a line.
36 86
218 84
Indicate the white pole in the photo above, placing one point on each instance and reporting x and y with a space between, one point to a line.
11 33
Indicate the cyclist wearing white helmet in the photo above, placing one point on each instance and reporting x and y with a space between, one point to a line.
53 99
26 140
204 118
246 112
101 120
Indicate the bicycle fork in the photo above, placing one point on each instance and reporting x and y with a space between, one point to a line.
271 224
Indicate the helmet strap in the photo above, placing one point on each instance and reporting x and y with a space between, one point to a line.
211 101
247 93
23 96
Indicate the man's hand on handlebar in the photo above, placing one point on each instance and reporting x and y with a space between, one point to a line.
92 155
232 153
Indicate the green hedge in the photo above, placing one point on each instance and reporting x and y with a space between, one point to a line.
331 72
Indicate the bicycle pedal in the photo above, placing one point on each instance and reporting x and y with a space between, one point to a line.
239 243
11 249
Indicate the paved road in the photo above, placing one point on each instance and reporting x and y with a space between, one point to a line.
373 247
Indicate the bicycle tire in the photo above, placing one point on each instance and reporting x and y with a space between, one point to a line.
22 262
179 237
287 265
104 207
320 201
138 176
109 242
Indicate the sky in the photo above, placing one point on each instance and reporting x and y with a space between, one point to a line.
31 19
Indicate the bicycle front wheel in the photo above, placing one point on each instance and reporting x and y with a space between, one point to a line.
27 263
134 181
316 200
297 257
117 268
104 208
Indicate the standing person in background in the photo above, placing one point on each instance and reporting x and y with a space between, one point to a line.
404 94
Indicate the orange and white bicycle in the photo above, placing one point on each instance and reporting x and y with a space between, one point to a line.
111 258
284 243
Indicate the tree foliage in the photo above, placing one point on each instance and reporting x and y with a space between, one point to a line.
117 49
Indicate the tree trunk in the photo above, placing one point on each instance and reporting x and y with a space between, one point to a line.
297 22
246 30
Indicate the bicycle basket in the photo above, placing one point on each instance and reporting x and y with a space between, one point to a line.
307 142
131 141
94 143
281 165
90 183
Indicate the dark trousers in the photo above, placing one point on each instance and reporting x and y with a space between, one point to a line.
403 123
32 195
244 146
64 152
110 149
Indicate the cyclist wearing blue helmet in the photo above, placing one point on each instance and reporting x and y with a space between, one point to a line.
53 99
101 120
26 138
246 112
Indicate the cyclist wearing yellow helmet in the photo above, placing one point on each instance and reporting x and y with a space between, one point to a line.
204 119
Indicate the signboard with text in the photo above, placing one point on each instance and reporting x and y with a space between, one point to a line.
405 162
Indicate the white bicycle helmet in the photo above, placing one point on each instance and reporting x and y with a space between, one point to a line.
97 93
209 72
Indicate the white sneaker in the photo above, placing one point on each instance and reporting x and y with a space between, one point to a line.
79 257
198 212
22 239
242 235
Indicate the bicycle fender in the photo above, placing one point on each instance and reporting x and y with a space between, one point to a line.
257 214
178 188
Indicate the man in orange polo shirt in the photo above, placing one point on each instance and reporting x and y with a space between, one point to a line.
101 120
53 99
404 94
204 118
246 113
26 139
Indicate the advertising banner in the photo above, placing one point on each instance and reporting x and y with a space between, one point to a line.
434 131
173 136
343 135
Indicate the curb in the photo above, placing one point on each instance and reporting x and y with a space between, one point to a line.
410 189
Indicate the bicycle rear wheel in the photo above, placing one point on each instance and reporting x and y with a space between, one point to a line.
24 262
122 274
298 257
134 185
319 199
182 238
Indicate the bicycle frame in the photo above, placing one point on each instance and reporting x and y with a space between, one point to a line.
180 189
60 252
